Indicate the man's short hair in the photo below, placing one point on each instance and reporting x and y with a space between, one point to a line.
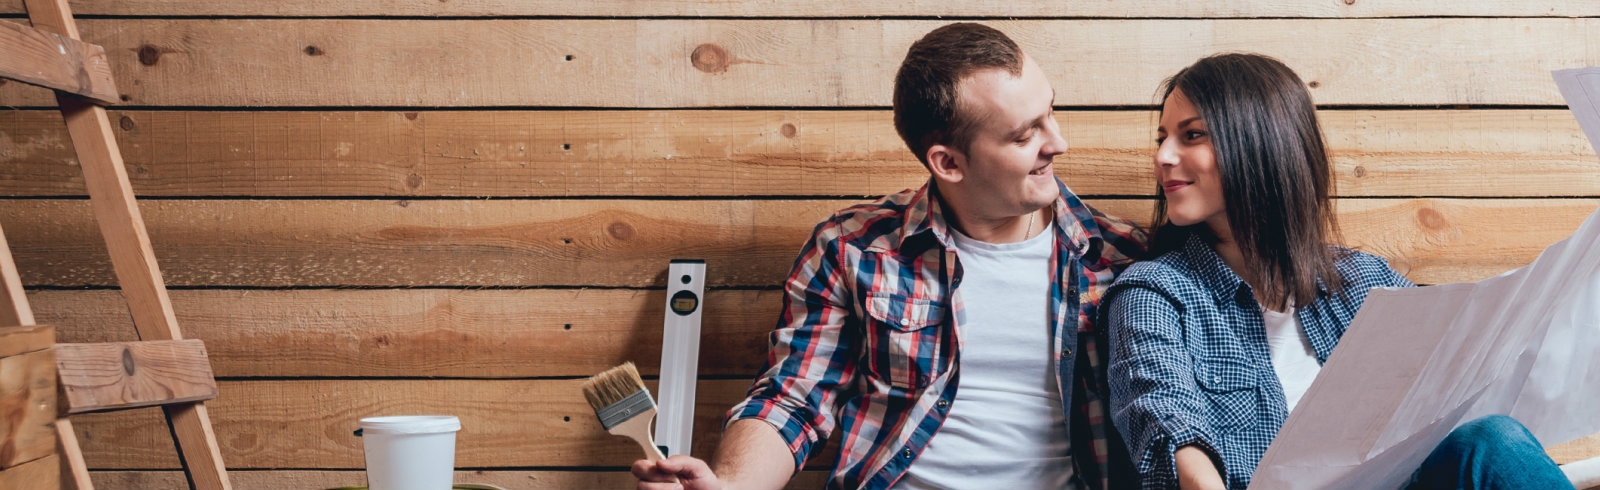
926 111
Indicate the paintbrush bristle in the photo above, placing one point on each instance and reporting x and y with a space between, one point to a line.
612 386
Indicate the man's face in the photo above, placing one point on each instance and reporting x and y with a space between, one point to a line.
1009 169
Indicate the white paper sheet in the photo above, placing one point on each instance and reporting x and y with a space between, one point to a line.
1417 362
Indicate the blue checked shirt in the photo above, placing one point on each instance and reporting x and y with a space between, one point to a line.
1189 361
867 342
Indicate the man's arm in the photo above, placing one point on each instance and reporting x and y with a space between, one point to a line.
752 456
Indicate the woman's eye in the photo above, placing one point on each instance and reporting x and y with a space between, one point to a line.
1195 134
1160 139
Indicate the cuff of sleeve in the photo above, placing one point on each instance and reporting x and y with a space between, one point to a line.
1181 432
794 429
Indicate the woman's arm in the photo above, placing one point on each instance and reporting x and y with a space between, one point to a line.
1154 399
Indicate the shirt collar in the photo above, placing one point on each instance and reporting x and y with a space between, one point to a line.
924 215
1215 274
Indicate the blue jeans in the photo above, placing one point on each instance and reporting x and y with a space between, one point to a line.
1493 452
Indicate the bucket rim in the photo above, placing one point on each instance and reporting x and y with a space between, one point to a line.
411 424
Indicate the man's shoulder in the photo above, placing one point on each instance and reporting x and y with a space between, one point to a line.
863 223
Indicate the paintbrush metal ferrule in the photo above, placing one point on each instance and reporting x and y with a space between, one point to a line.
625 409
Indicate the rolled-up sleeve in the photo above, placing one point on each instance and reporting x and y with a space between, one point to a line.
810 368
1155 402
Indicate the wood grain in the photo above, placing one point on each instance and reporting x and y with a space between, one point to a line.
309 424
16 340
823 8
14 307
1575 450
1462 153
623 243
431 332
42 474
312 479
27 407
121 375
796 63
56 62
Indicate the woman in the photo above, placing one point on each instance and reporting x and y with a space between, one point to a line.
1214 341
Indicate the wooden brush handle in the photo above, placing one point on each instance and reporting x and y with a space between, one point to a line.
638 429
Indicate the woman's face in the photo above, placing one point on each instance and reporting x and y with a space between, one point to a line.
1186 166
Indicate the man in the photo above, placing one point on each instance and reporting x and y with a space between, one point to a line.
984 280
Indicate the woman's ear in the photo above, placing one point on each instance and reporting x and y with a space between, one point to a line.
947 164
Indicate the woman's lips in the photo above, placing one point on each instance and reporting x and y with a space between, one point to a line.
1173 185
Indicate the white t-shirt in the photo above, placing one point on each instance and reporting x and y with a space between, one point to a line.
1292 357
1006 427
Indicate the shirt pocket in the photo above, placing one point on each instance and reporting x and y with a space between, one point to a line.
1229 386
902 350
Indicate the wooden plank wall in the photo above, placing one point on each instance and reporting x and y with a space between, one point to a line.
421 206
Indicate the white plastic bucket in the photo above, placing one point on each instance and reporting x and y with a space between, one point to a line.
411 452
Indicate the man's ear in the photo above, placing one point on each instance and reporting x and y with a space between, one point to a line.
947 164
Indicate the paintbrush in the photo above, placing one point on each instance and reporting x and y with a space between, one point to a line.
624 406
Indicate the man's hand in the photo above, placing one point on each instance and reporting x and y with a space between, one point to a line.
674 473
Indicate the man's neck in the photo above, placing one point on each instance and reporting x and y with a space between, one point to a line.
1008 229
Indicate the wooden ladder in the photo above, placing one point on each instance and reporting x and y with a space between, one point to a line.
162 368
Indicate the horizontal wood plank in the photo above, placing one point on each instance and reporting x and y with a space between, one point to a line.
312 479
28 403
623 243
42 473
795 63
121 375
825 8
26 338
56 62
431 332
310 424
734 153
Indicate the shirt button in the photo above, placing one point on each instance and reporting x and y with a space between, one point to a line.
907 453
1216 379
1066 354
942 404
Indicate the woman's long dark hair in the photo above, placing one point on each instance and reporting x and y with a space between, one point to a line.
1276 179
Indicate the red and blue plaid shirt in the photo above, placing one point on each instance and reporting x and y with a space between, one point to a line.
867 342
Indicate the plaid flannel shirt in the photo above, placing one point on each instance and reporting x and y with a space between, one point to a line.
867 341
1190 364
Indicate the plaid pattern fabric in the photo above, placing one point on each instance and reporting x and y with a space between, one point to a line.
867 338
1191 365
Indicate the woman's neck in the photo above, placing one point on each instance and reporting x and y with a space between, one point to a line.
1228 250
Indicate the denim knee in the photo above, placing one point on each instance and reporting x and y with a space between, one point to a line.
1490 433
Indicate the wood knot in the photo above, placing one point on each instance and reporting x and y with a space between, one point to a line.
127 361
411 116
788 130
1361 171
126 123
620 231
413 181
1431 219
1349 2
709 58
149 55
1314 84
314 51
404 203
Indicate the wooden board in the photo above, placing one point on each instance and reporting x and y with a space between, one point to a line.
432 332
28 403
623 243
795 63
312 479
1576 450
56 62
15 340
734 153
309 424
120 375
43 473
824 8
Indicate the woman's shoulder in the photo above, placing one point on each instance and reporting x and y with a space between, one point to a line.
1367 270
1169 271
